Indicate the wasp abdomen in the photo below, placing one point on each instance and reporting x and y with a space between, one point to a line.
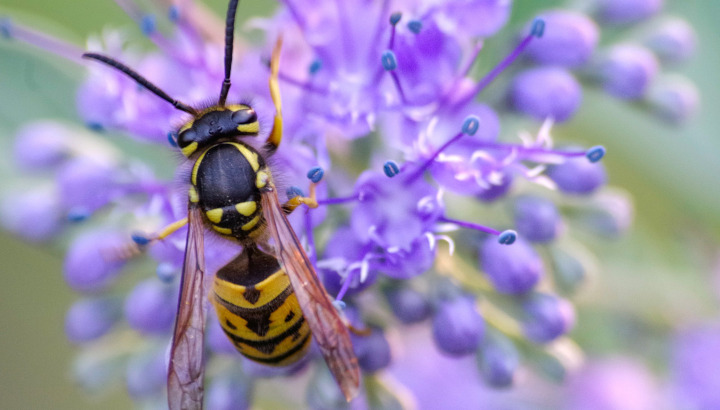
258 310
224 177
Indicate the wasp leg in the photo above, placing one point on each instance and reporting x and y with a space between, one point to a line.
275 136
310 201
360 332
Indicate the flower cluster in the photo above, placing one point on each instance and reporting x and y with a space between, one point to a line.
384 98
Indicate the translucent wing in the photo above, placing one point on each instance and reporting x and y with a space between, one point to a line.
327 328
186 370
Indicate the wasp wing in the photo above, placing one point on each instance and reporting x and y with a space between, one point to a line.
328 329
186 370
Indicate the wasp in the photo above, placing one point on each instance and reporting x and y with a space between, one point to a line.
269 299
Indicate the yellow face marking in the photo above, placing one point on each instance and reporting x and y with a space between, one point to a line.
186 126
251 128
261 179
248 226
188 150
221 230
246 208
193 195
214 215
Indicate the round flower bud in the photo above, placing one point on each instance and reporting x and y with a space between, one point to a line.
34 216
626 11
458 327
674 98
90 318
41 145
672 40
372 351
546 317
146 374
151 307
544 92
626 71
536 219
512 269
229 392
408 305
569 39
92 262
578 176
498 359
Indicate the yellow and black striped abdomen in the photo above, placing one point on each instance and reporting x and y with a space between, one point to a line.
258 310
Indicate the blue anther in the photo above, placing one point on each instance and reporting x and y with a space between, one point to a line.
470 125
391 169
315 66
415 26
507 237
389 62
315 174
538 27
294 191
174 13
78 214
6 27
140 238
595 153
147 24
172 138
339 305
395 18
166 272
95 126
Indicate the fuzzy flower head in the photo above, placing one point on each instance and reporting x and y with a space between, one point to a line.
387 130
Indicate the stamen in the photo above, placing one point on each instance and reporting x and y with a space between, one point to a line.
394 19
389 63
315 66
12 30
294 191
141 238
305 86
315 174
336 201
147 24
469 127
538 27
174 13
78 214
470 225
415 26
346 285
166 272
595 153
391 169
507 237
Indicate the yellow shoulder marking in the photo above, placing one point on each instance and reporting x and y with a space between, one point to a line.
215 215
246 208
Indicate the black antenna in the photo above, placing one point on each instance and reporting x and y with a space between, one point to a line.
229 34
142 81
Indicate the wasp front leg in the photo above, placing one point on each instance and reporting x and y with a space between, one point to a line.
296 201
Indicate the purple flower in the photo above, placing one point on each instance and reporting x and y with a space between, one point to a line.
498 360
146 373
673 40
373 351
408 305
92 262
34 216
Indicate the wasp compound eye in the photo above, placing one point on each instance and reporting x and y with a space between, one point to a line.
244 116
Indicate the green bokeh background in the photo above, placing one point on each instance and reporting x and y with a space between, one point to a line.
658 276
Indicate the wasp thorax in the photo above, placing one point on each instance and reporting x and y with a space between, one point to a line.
217 124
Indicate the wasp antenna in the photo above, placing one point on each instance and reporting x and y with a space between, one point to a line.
141 80
229 35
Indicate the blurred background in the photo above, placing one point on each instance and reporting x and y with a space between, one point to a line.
663 275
